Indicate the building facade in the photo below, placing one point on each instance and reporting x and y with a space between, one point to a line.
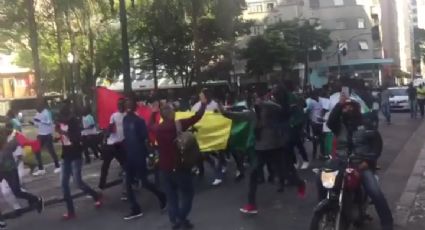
355 25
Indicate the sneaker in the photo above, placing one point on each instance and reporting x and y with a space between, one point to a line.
305 165
99 201
57 170
133 215
217 182
301 190
39 206
239 176
187 225
223 170
249 209
39 172
68 216
3 224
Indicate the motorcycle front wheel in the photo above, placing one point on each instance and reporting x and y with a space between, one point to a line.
327 221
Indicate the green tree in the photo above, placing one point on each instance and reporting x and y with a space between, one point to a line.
259 56
285 44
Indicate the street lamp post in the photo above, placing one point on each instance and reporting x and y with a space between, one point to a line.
71 60
339 58
338 52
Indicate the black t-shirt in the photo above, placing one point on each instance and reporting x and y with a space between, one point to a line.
411 91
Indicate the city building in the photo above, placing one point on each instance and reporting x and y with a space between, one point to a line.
355 26
418 20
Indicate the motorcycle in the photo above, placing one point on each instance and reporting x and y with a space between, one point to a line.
346 202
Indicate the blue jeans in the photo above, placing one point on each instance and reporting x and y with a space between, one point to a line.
386 111
373 190
73 168
413 108
179 189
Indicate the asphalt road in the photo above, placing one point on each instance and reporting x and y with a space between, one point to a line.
218 208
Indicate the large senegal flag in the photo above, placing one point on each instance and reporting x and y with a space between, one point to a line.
213 132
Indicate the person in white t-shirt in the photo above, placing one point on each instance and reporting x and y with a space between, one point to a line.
114 143
315 111
44 122
211 106
89 135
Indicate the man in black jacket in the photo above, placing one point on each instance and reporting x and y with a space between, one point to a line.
345 122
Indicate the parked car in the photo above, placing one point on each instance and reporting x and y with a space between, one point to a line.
399 100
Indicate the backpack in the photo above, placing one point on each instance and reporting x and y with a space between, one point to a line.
189 153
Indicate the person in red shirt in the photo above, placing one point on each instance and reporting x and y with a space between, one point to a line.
175 180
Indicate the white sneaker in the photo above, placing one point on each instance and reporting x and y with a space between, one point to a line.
296 165
39 173
217 182
57 170
223 170
305 165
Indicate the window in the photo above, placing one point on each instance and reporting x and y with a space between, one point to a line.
314 4
270 6
257 30
259 8
363 45
339 2
361 23
255 8
340 25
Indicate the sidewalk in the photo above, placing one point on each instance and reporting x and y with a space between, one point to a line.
49 187
410 209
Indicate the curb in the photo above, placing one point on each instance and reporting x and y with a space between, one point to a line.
408 196
53 201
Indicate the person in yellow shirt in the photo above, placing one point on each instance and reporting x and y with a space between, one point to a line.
421 99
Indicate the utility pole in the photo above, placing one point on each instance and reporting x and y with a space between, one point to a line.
306 69
339 58
125 49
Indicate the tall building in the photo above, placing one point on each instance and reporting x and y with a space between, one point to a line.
418 21
399 20
354 24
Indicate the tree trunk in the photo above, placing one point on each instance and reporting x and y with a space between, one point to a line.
73 52
32 26
125 49
92 79
59 50
154 63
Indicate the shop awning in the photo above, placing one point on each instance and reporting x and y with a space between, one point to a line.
385 61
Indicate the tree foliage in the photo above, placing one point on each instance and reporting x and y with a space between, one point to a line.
284 44
177 36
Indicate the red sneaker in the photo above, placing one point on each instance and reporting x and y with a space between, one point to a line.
68 216
249 209
301 190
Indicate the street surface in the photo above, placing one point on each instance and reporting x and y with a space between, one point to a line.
218 208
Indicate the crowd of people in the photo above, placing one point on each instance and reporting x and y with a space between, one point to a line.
281 122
